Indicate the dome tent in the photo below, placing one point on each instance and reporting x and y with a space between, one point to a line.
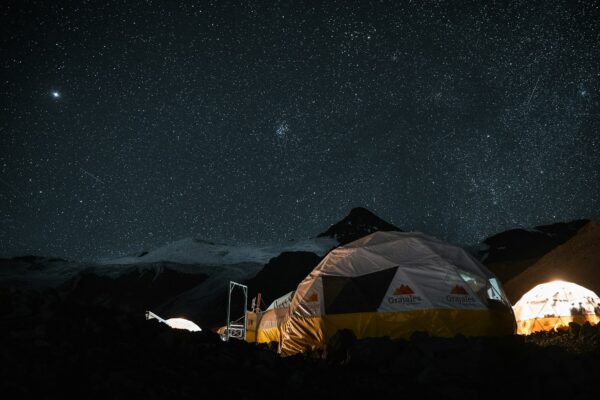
393 284
553 305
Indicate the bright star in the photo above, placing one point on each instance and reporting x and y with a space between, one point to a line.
282 129
55 94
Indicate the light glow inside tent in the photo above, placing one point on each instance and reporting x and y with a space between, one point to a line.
182 323
553 305
175 323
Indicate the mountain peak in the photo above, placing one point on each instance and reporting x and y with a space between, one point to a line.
358 223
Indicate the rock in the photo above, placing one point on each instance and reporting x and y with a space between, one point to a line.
574 329
339 345
374 352
96 351
586 331
296 379
418 336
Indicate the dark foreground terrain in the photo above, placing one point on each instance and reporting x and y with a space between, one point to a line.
51 349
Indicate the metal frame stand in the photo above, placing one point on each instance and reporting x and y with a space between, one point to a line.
236 329
151 315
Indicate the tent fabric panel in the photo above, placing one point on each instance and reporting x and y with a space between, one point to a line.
354 262
406 246
269 327
356 294
529 326
555 307
251 336
308 298
282 302
252 319
301 334
268 335
422 285
554 304
455 255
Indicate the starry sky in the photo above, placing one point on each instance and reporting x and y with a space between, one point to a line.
129 124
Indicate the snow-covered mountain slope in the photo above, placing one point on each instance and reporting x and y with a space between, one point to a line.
219 262
195 251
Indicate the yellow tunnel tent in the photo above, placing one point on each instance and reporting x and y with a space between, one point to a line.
552 305
270 320
393 284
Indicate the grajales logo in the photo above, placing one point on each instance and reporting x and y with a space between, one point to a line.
459 295
403 289
404 294
457 289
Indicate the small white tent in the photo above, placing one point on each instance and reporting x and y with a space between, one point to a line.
175 323
553 305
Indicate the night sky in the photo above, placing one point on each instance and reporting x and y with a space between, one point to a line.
129 124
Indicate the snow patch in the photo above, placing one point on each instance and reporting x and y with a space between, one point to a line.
195 251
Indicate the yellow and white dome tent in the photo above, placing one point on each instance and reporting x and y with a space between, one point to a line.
393 284
553 305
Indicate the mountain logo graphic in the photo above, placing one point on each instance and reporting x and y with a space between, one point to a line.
404 296
313 298
403 290
459 290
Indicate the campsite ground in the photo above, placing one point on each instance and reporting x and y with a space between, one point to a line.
52 349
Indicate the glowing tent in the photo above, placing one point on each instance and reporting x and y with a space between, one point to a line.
553 305
175 323
182 323
393 284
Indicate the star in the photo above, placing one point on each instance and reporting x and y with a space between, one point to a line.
363 108
282 129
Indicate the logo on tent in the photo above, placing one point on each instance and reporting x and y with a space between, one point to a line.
403 289
404 294
459 295
459 290
313 298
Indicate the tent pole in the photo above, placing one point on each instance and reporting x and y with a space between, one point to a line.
228 312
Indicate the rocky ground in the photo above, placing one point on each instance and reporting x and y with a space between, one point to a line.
53 348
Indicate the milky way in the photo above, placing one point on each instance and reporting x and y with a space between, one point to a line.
131 124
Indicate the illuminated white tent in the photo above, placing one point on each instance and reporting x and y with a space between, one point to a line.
553 305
